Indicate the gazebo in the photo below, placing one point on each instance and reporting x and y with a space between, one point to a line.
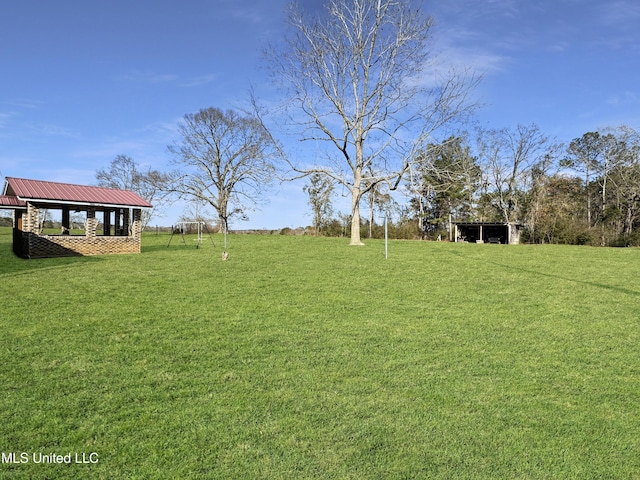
121 212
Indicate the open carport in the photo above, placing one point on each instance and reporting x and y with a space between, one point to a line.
485 232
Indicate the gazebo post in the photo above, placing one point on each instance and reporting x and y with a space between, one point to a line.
117 222
136 227
66 224
91 222
32 218
106 222
125 221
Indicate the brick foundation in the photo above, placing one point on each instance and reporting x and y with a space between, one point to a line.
41 246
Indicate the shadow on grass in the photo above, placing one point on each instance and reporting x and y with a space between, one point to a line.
11 264
626 291
564 278
176 248
21 265
155 248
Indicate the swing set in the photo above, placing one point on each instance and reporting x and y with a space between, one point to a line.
183 227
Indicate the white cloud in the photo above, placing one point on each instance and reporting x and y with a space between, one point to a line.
624 99
146 145
616 25
247 14
199 81
621 13
22 103
251 12
4 117
38 130
15 106
56 131
148 77
475 59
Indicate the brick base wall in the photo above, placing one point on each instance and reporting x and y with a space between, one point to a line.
41 246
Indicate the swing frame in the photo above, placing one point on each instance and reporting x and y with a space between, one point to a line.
201 227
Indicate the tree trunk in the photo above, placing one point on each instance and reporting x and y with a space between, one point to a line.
627 227
371 206
316 220
421 217
355 217
223 217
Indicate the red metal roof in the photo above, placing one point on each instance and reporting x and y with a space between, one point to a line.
11 202
52 192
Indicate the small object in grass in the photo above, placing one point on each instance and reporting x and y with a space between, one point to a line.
225 256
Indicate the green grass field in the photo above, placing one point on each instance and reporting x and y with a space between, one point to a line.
305 358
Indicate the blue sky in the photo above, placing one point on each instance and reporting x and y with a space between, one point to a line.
83 81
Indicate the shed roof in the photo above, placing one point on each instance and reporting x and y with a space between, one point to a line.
64 193
486 224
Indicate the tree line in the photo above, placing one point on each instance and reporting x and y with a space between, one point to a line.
583 192
360 81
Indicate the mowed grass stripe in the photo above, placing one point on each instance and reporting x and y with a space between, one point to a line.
306 358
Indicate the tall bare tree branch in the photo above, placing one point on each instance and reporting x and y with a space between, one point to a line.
359 74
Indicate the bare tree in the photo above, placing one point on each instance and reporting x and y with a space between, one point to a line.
196 211
587 155
376 198
508 156
628 177
618 179
124 173
541 182
359 74
224 159
319 189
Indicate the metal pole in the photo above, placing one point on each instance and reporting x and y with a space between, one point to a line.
386 238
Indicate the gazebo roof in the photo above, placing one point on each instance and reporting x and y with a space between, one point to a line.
18 191
7 201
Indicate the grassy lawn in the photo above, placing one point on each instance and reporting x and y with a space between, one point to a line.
306 358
